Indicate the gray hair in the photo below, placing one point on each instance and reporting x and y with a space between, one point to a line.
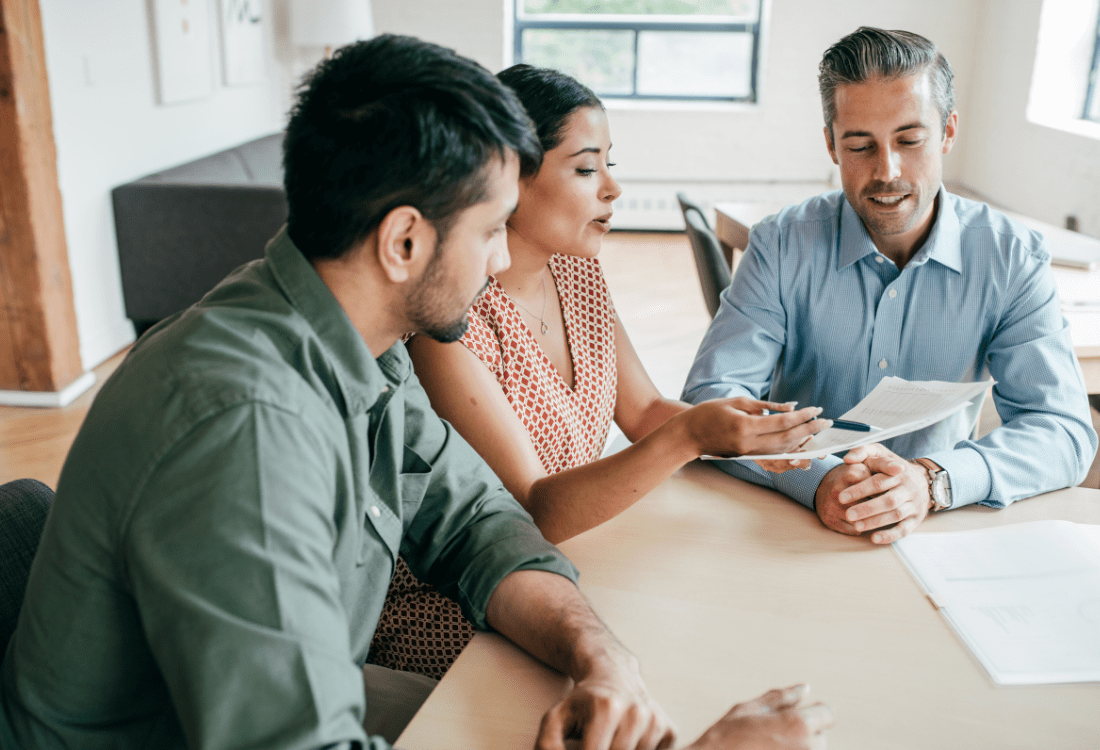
870 53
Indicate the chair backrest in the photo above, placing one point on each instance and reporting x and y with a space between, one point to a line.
714 272
24 505
687 203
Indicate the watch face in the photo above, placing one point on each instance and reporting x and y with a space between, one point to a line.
941 492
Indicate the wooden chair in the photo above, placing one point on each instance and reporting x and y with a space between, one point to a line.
686 203
714 272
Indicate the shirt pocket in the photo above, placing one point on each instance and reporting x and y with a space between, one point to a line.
416 474
381 525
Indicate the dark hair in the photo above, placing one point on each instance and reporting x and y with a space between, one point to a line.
549 98
391 122
875 53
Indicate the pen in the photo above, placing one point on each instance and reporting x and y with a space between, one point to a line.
843 424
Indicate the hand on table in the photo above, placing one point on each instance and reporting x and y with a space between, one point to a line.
610 708
739 427
874 490
774 721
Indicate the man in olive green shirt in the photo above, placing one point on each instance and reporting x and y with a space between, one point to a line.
228 519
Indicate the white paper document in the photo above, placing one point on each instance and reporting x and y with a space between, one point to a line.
1024 598
895 407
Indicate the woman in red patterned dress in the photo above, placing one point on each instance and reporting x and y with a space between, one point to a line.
545 365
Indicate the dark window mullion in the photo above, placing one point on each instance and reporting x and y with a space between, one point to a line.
517 42
1094 75
754 69
634 87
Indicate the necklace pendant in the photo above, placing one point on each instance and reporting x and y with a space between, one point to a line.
545 328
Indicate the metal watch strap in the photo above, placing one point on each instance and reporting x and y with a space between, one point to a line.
939 484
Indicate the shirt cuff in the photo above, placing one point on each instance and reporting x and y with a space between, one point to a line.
969 475
798 484
802 484
526 550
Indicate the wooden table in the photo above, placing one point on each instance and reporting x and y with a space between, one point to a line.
724 589
735 221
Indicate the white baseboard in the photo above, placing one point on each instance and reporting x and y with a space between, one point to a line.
652 205
48 399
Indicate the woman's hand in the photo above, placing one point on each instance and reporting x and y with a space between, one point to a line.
744 426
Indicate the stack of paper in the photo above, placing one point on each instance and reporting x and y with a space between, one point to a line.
1024 598
895 407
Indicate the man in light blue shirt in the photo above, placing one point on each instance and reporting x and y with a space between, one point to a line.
896 276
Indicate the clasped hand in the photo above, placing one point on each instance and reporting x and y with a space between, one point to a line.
874 490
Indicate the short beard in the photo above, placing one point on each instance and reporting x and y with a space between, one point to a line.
426 301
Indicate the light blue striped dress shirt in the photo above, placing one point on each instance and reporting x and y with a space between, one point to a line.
815 314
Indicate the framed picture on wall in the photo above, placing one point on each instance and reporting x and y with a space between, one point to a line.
184 69
242 25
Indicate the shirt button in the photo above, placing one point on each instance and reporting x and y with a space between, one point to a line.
882 365
385 389
893 293
374 511
879 259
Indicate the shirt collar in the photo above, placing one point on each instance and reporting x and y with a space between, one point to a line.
943 244
362 378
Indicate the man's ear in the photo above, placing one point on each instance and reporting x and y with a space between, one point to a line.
829 143
406 240
950 131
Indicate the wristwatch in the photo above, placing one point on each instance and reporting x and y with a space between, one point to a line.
939 484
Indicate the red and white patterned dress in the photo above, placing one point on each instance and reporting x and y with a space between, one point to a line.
420 629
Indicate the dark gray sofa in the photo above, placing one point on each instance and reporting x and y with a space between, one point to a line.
182 230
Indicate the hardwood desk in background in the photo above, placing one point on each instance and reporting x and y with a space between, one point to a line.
724 589
735 221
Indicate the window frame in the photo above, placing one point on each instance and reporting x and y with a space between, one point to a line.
1093 79
639 23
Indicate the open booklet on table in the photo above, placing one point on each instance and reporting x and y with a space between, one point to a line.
1024 598
895 407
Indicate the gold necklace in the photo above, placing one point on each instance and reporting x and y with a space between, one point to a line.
542 318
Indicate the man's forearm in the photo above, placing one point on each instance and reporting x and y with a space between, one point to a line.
546 615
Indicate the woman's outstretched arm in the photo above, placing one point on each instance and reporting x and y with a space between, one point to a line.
667 434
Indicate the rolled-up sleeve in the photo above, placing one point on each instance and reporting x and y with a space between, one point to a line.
230 557
469 533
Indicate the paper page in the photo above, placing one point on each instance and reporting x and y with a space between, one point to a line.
1024 598
895 407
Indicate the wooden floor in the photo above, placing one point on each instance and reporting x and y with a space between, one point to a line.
656 291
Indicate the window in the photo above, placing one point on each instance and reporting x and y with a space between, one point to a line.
1092 93
646 49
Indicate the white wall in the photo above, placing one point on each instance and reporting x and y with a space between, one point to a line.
473 27
1035 169
781 139
109 130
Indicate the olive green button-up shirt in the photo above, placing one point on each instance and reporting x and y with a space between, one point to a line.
226 526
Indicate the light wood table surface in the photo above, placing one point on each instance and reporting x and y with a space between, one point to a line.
735 221
724 589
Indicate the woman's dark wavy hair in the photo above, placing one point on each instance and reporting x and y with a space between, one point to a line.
391 122
549 97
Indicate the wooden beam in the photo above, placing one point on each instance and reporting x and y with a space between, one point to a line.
39 347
